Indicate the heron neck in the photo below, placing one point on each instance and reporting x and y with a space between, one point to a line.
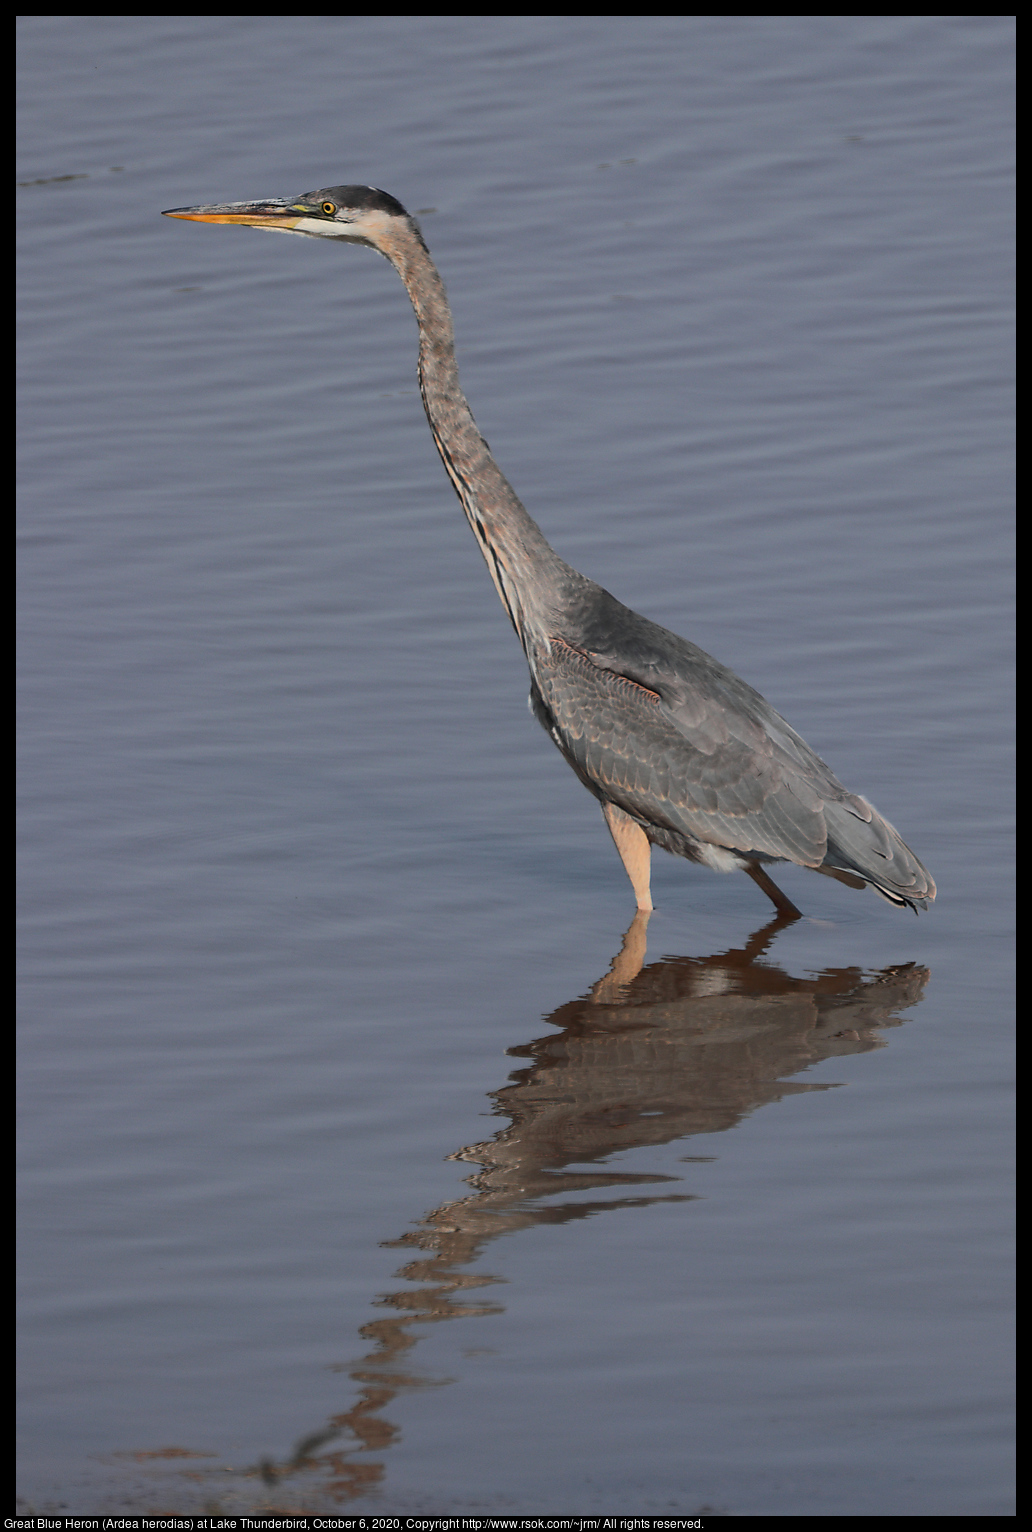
518 557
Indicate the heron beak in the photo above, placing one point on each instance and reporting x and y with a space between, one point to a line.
257 215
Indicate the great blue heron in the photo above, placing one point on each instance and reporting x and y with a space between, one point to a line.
677 749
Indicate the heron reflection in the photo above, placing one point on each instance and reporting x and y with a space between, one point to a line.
653 1054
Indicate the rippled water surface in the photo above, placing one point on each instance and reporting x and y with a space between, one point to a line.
360 1135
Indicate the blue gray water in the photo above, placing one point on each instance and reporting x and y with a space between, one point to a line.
333 1125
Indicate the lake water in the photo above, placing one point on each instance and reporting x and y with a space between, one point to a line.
369 1160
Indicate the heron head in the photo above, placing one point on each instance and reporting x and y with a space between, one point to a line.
361 214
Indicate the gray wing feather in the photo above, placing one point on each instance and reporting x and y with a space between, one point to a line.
676 739
677 764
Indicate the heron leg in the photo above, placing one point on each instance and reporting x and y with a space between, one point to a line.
780 901
635 852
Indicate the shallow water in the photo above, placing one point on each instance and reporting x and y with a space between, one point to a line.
316 926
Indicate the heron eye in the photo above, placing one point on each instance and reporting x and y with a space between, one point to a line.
328 208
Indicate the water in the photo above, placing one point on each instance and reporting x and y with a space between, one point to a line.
316 924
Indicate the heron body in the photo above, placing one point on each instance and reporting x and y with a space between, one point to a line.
679 751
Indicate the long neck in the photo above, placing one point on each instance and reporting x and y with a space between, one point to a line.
524 568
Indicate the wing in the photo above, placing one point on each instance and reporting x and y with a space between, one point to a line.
685 755
685 746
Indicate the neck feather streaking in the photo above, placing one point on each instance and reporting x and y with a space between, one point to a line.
513 545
